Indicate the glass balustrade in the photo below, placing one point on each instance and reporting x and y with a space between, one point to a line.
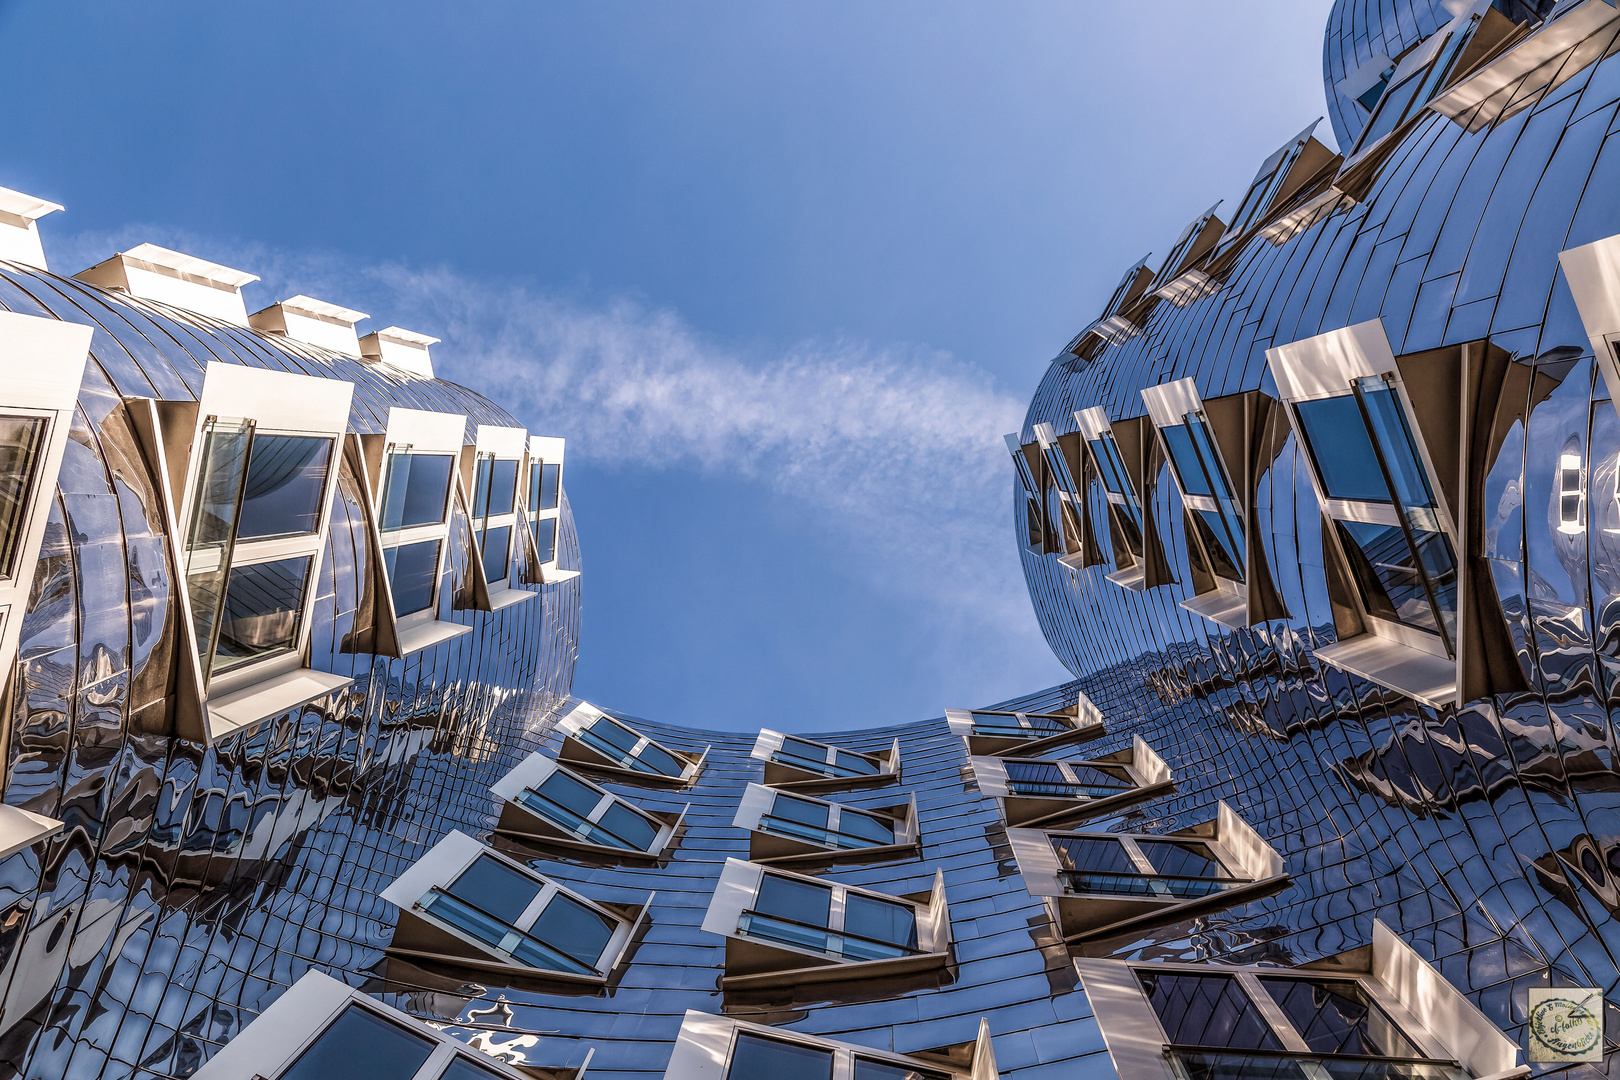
835 943
1196 1063
1089 882
526 949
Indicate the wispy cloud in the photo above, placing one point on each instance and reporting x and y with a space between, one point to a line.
900 446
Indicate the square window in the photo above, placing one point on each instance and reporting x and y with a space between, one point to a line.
262 610
413 575
360 1045
755 1058
286 479
416 490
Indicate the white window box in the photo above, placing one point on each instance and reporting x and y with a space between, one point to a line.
546 805
611 747
492 471
799 764
788 828
992 732
175 278
713 1047
1046 792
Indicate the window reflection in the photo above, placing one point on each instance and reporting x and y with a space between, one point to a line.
755 1058
285 480
21 440
360 1045
262 610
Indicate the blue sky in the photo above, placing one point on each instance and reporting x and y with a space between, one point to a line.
782 273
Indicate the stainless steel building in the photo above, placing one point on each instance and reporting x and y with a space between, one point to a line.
1320 510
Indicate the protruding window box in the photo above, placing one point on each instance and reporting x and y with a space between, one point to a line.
608 746
1563 46
1374 1011
1178 280
1289 174
1047 792
791 828
785 929
19 235
175 278
464 905
490 470
989 732
803 764
399 348
316 322
322 1029
544 506
1121 316
1126 457
1101 884
712 1047
547 805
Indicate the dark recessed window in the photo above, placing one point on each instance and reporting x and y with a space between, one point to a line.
21 439
360 1045
285 480
755 1058
262 610
1206 1010
412 574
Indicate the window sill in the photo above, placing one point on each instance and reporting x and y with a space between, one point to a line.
21 828
788 778
1133 578
501 599
833 971
1429 679
265 700
425 635
1164 911
1229 609
550 575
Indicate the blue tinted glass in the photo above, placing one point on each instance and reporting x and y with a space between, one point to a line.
496 555
758 1059
1389 426
550 480
1225 559
1206 1010
416 490
462 1069
1390 578
286 476
1337 1017
867 1069
1098 854
360 1045
1336 437
1184 459
629 826
480 504
1106 468
545 538
1180 859
865 826
573 929
1210 457
503 487
264 603
412 572
881 920
494 887
793 899
566 791
803 811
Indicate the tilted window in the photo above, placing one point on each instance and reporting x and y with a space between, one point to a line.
711 1047
601 743
1282 176
1102 884
1409 612
491 469
1024 734
804 764
466 905
550 806
1217 451
41 366
1068 518
791 828
1375 1012
321 1028
783 929
1126 456
1042 792
544 505
1178 280
1121 317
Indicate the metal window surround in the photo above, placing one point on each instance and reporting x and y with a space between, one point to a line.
580 755
544 451
518 821
497 445
755 963
1016 735
775 846
177 279
1148 774
795 777
704 1046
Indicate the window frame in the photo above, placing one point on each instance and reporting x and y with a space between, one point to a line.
706 1042
1141 564
773 847
578 754
496 445
1065 472
428 936
520 821
758 962
275 1039
544 451
1084 724
1173 281
792 777
1149 774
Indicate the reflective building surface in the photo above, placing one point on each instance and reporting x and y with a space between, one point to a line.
1322 511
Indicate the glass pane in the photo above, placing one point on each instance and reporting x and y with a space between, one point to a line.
545 538
503 487
550 481
496 560
1206 1010
865 826
492 886
221 473
1346 463
286 477
1392 110
535 471
660 761
880 920
568 792
574 929
867 1069
1184 459
755 1058
1100 775
1182 859
480 503
801 749
21 439
616 735
416 490
462 1069
639 832
855 763
796 900
1337 1017
413 571
263 605
802 811
1224 559
1106 468
1093 853
1390 580
360 1045
1395 439
1252 201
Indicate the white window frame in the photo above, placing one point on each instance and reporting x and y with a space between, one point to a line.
1085 723
278 403
444 863
704 1047
1593 273
295 1021
1070 508
496 445
546 451
42 364
1432 1013
1254 866
519 820
1148 772
770 846
1094 427
1176 280
788 964
579 754
796 778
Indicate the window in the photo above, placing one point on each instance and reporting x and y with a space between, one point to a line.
1025 734
712 1047
412 470
782 929
1376 1012
595 741
1121 316
1176 280
1067 522
1104 884
550 806
465 905
321 1028
1125 459
803 764
496 460
1386 473
175 278
41 366
1282 176
261 454
543 504
1045 792
791 828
